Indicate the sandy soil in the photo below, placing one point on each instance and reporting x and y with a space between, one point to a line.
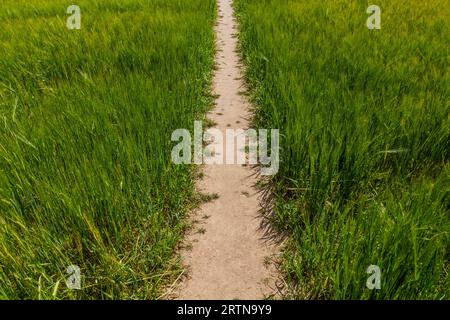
228 258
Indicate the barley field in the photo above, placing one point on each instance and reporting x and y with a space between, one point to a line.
364 174
85 123
88 181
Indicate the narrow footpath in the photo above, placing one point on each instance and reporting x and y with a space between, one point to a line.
228 258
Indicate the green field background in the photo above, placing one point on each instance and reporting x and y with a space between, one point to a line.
364 117
86 118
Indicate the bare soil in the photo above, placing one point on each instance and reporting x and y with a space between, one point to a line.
227 256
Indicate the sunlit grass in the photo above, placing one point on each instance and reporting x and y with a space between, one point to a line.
364 175
85 123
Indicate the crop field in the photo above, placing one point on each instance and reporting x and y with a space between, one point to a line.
99 201
364 114
86 115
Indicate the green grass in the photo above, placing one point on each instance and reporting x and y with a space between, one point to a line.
86 118
364 116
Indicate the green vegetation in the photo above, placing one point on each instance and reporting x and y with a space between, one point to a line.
86 118
364 176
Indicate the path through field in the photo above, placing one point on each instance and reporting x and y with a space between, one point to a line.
228 257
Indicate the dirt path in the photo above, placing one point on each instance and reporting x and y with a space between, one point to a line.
228 258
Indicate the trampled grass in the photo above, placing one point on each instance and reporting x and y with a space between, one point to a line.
364 176
85 122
